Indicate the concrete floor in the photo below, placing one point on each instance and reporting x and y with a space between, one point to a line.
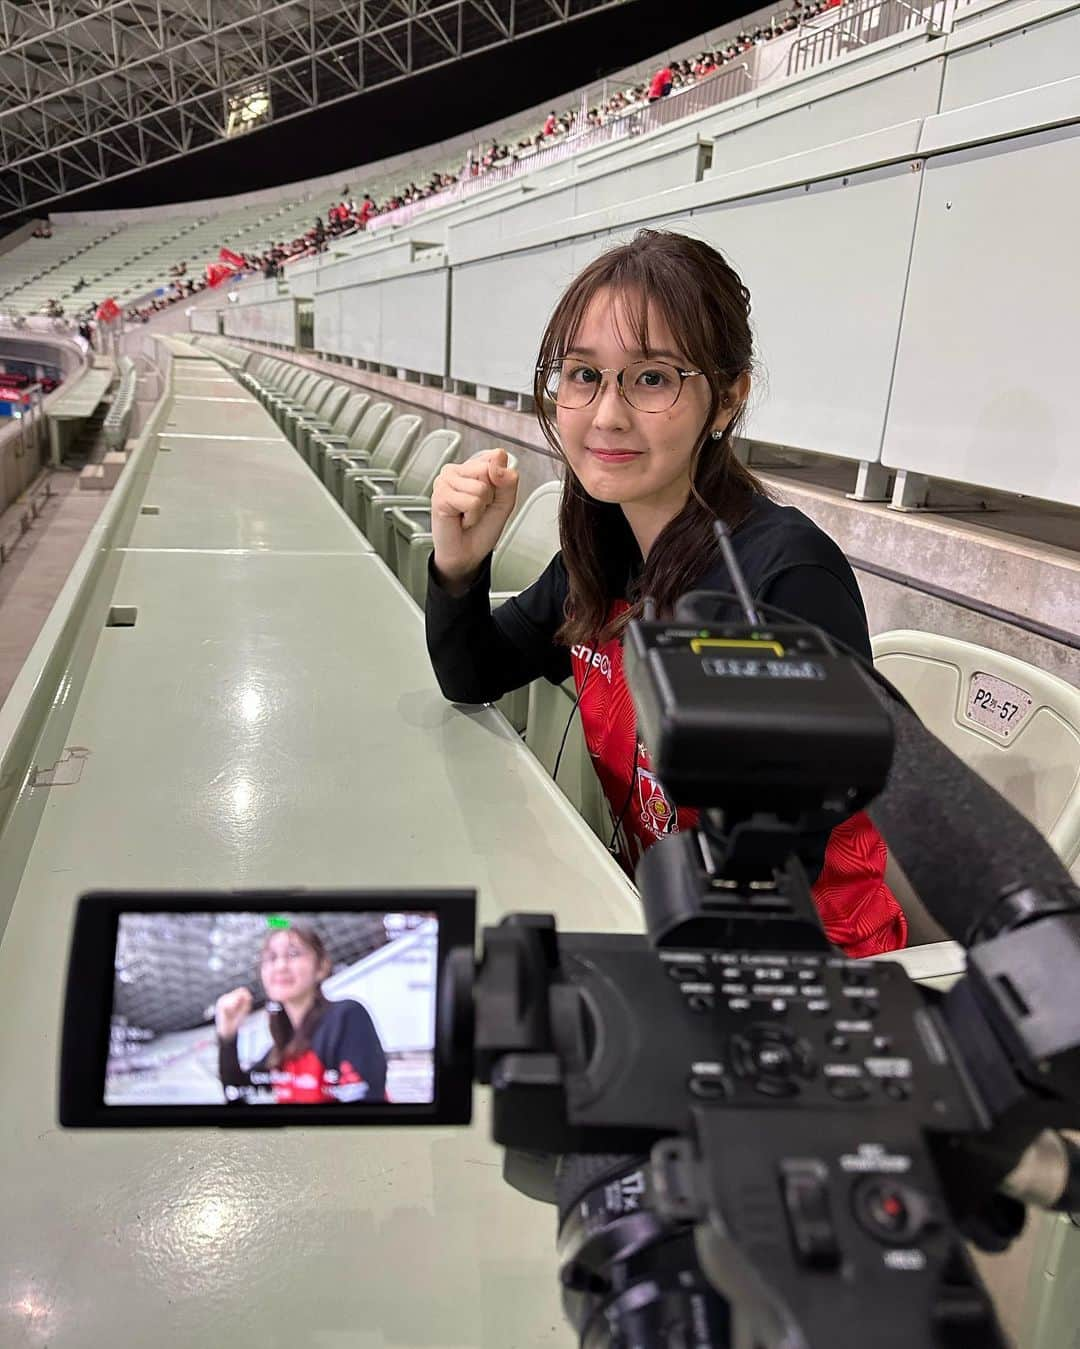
39 565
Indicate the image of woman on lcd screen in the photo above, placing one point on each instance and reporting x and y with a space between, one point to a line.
324 1051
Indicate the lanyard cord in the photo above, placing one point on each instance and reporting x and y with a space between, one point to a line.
569 719
629 797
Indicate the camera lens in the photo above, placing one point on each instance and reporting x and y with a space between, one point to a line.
630 1279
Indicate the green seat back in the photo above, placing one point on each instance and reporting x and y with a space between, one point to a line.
549 710
529 542
333 402
396 444
317 394
436 449
370 428
348 419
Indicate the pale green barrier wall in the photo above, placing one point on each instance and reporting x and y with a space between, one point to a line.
35 717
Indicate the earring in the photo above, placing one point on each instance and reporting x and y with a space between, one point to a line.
716 435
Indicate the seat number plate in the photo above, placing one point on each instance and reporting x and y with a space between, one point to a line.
996 705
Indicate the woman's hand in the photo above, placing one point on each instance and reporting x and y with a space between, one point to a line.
470 505
230 1010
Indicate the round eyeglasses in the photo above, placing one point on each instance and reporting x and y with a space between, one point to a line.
648 386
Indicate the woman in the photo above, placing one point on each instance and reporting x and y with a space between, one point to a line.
323 1051
647 361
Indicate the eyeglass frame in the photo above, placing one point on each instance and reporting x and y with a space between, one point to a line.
684 375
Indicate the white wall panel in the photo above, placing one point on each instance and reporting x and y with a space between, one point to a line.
373 261
267 321
327 322
204 320
399 320
1036 54
535 212
825 269
895 98
500 307
414 320
986 373
674 169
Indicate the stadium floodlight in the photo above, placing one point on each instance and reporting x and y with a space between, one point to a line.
247 109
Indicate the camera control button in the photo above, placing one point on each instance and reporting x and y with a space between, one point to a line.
848 1088
805 1187
892 1211
773 1059
710 1088
685 973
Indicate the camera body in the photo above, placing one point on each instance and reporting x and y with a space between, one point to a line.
785 1098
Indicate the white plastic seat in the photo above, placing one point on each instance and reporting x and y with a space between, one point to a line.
1030 754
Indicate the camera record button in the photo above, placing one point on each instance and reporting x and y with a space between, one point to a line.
891 1210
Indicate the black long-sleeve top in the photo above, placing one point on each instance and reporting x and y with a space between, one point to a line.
346 1062
479 654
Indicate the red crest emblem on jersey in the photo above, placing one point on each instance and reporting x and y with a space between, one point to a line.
656 811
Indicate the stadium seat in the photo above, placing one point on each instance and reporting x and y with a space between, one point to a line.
390 453
328 451
308 387
343 425
549 709
323 399
1049 1317
1033 760
528 544
283 385
372 492
324 418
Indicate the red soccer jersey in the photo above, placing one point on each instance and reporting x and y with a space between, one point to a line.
662 77
858 910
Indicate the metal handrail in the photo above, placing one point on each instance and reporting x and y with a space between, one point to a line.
859 24
831 35
726 83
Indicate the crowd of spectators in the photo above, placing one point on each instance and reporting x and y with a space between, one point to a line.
346 215
180 287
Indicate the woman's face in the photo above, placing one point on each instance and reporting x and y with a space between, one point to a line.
619 454
289 968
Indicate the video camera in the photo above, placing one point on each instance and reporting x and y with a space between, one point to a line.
762 1143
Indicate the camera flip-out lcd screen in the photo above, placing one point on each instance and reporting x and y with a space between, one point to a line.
252 1011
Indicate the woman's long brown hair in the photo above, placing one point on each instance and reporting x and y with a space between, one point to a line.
707 309
292 1042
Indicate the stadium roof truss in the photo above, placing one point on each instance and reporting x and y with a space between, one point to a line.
94 90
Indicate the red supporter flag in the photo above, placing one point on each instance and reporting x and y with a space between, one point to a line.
217 272
108 310
234 260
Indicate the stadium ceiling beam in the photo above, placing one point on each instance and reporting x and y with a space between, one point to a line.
127 101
